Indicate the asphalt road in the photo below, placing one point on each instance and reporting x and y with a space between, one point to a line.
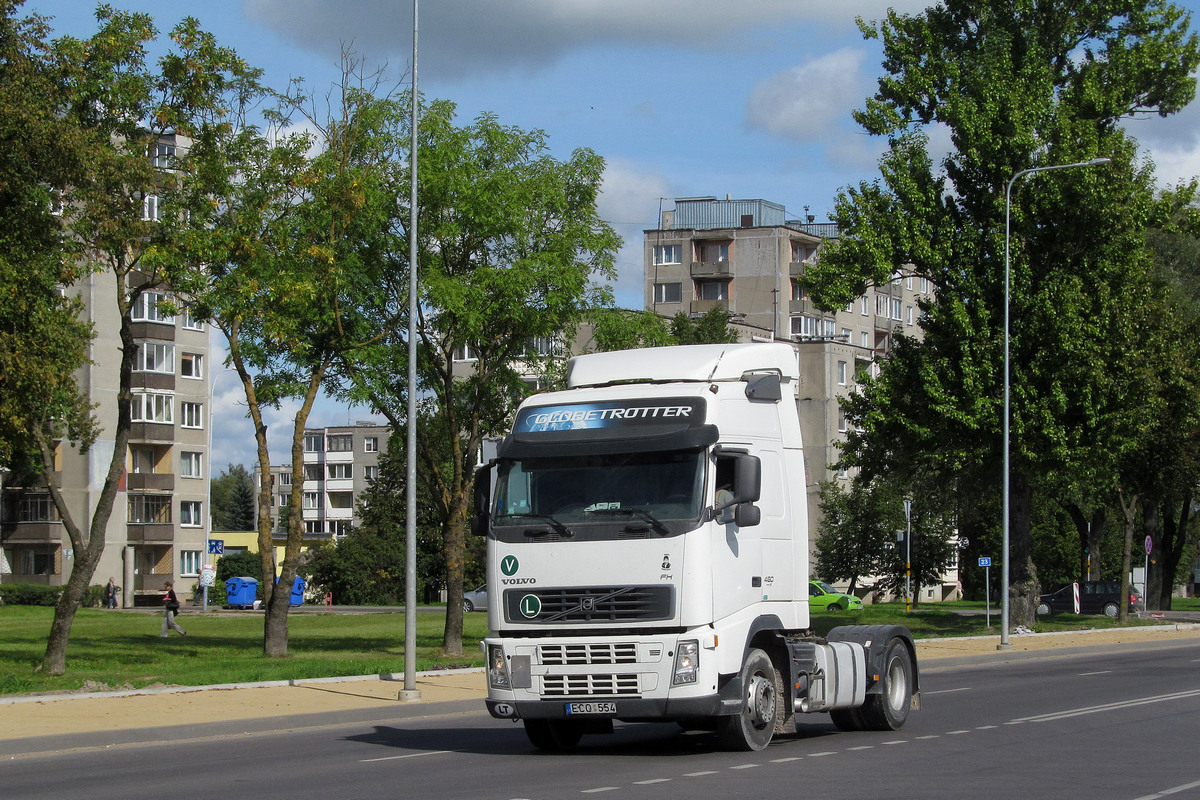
1111 724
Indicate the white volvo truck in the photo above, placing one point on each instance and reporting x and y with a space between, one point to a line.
647 558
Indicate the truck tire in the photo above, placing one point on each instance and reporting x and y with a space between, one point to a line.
554 735
847 719
762 710
888 709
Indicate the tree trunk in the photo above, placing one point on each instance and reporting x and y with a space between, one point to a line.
1173 541
1095 537
1023 584
1153 579
454 548
1130 511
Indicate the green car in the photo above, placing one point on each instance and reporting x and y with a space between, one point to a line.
823 596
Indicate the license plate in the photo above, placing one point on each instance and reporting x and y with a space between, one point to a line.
591 708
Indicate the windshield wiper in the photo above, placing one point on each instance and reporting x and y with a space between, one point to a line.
555 525
635 511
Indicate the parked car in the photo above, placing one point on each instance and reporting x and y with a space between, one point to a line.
476 599
1095 597
823 596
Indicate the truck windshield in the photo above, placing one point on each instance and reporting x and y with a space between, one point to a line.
660 491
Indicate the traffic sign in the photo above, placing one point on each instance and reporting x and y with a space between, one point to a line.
216 547
985 561
1149 545
208 576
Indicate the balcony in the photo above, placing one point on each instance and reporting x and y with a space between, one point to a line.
704 306
154 330
150 480
163 432
32 532
152 380
712 269
150 533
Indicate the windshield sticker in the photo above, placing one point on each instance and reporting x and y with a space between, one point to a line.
592 416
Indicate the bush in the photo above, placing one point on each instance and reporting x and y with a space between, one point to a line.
28 594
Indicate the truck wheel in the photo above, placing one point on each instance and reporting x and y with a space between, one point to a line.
762 709
553 734
888 710
847 719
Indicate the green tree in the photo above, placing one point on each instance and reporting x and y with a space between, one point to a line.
42 341
1018 85
114 108
509 243
287 254
858 530
620 329
231 498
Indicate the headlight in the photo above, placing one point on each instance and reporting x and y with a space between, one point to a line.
497 667
687 662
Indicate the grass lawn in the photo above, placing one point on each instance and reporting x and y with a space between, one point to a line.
111 649
122 649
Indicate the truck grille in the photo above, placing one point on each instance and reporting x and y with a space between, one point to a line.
563 654
590 604
589 685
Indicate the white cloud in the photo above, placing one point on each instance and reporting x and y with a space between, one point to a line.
808 102
478 37
628 201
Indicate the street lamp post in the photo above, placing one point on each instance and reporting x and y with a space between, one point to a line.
1004 572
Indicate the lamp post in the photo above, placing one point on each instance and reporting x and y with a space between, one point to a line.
1004 572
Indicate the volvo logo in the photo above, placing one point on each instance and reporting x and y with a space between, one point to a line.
588 604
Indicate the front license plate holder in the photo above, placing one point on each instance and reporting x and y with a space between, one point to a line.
592 708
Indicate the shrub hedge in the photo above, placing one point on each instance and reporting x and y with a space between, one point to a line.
28 594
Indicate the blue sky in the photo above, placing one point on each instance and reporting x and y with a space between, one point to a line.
683 98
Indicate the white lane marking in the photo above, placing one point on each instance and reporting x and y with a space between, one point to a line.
824 753
862 747
407 755
651 781
946 691
1172 790
929 736
896 741
700 774
599 789
784 760
1098 672
1121 704
984 727
746 766
955 733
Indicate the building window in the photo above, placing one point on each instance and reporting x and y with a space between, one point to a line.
863 305
150 207
164 155
146 509
285 478
865 339
189 513
285 499
712 290
712 251
339 472
908 315
189 562
464 352
545 346
668 292
312 500
340 442
798 290
841 373
371 472
314 526
314 443
341 500
141 460
881 305
370 444
908 282
813 327
189 465
36 508
152 407
193 415
190 322
191 365
339 527
37 562
155 357
896 309
668 254
845 335
843 425
147 308
801 251
313 472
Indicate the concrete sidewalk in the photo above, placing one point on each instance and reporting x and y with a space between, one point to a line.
45 723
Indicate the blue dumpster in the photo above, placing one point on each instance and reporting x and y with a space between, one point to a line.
298 587
241 592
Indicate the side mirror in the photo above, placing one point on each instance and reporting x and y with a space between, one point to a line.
746 515
482 501
747 479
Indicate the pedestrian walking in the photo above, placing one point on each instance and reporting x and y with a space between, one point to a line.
110 594
170 609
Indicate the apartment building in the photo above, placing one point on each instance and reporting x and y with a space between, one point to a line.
340 462
746 257
159 525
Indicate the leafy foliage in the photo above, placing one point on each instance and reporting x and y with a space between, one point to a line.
231 497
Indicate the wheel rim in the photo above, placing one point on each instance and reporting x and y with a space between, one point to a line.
761 701
897 684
